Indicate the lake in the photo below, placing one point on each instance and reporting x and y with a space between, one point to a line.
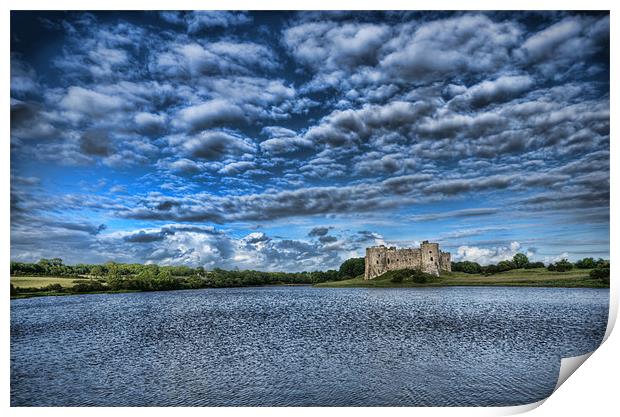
301 346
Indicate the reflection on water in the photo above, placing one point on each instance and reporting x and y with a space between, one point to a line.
300 346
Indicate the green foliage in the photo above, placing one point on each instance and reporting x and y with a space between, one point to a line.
503 266
467 266
352 268
53 288
490 269
407 275
397 278
88 287
520 260
590 263
600 273
195 281
98 271
585 263
420 277
116 276
602 263
560 266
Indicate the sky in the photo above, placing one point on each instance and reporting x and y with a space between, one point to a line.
290 141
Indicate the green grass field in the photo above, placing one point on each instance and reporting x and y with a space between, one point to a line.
39 282
518 277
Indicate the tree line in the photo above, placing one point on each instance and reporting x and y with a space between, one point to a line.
113 276
599 268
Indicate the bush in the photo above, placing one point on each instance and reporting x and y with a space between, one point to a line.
585 263
506 266
412 275
490 269
88 287
520 260
602 263
53 288
560 266
397 278
600 273
467 267
534 265
352 268
420 277
195 281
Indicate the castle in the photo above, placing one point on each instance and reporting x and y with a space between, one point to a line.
428 258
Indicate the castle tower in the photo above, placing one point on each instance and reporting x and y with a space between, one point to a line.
430 257
445 263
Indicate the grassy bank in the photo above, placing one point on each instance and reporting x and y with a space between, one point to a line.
38 282
539 277
57 294
43 286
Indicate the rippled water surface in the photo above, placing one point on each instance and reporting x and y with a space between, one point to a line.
300 346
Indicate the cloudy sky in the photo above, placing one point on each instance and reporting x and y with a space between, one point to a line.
292 141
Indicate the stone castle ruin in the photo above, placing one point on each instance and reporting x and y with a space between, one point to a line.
428 258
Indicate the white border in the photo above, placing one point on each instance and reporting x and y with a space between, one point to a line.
593 389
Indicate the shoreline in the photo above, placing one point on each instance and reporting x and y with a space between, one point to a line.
65 294
514 278
333 284
540 277
321 285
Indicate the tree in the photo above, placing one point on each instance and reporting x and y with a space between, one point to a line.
520 260
602 263
467 266
97 271
585 263
165 281
560 266
505 266
195 281
490 269
600 273
352 268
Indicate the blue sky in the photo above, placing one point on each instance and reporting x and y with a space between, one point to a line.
293 140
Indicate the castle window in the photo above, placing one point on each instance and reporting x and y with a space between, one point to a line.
430 251
388 261
377 262
431 259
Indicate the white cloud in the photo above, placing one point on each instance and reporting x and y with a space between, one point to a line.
149 122
553 259
212 144
88 102
545 42
490 91
208 114
485 256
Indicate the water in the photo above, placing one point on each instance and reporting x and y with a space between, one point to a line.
300 346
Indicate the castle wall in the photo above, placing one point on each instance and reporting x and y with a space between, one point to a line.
445 263
428 258
380 259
